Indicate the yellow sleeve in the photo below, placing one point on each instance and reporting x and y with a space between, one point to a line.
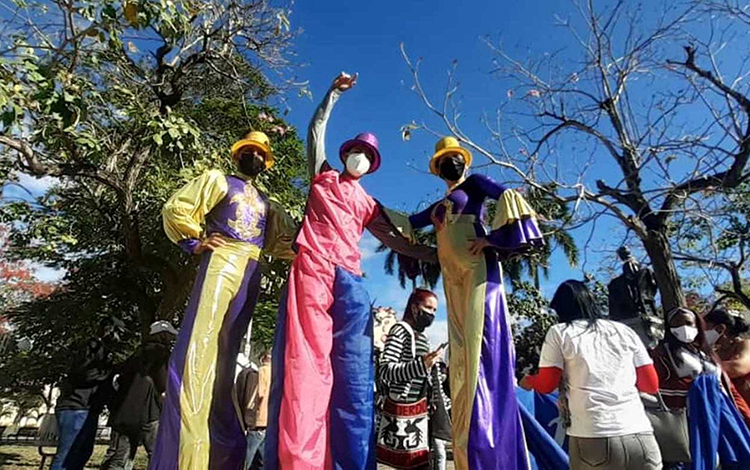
280 232
185 211
510 208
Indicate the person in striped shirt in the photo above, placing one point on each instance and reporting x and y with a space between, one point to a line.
405 367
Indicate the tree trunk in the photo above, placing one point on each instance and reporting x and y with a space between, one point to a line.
660 254
177 287
21 413
737 287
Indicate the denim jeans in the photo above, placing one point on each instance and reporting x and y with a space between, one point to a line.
438 455
76 431
255 441
630 452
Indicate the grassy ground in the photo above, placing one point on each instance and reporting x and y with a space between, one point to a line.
27 458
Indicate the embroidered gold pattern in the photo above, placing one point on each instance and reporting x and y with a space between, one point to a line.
250 211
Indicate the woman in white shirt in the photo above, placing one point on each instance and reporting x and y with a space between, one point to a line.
605 365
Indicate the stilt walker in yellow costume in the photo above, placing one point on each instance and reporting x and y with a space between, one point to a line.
487 430
228 222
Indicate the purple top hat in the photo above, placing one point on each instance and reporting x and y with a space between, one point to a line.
367 140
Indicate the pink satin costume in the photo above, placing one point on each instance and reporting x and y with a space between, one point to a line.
323 373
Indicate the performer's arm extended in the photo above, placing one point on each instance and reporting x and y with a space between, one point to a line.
280 232
185 211
316 131
394 230
424 218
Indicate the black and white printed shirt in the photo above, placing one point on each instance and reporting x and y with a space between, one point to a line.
402 368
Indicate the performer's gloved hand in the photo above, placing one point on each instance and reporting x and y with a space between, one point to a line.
344 81
477 245
210 244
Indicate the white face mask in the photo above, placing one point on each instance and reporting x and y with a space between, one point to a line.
357 164
712 336
685 333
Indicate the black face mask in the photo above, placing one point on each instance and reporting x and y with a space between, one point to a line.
423 319
452 168
251 164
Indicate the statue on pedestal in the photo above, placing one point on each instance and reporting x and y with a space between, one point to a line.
632 298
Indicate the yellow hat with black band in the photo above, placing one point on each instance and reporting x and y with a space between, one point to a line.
257 140
448 146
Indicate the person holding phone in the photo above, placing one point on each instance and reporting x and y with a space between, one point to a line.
405 372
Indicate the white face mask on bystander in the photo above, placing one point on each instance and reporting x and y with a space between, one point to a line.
685 333
357 164
712 336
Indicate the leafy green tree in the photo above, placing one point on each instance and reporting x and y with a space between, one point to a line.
531 320
19 391
123 102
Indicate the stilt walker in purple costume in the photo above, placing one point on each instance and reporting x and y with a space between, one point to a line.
487 430
200 428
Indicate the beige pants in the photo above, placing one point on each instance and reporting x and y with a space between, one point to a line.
630 452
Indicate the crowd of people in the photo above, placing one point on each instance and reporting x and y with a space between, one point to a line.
318 400
673 407
131 391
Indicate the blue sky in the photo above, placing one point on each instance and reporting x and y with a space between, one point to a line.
363 37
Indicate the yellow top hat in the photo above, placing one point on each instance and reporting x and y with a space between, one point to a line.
256 139
445 146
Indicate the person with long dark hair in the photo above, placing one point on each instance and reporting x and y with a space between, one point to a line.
724 332
605 364
690 373
682 355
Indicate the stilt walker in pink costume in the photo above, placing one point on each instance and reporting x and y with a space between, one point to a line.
321 412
